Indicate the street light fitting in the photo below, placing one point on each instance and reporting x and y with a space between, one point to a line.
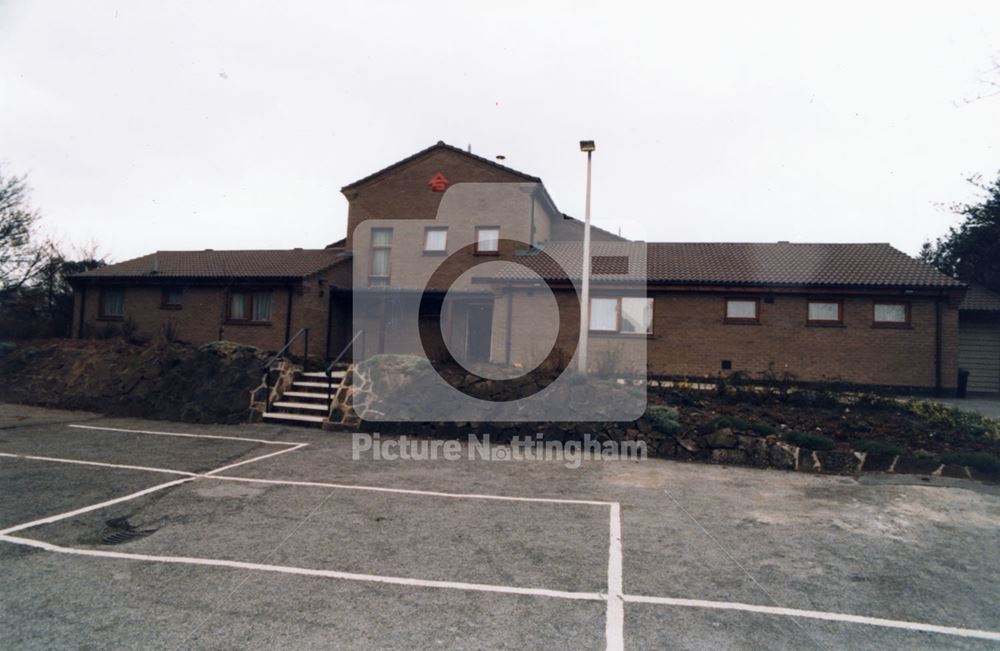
587 146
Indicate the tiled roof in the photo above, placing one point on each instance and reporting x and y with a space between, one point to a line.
440 145
773 264
980 299
288 263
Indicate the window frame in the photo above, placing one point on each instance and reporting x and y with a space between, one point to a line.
479 251
101 314
372 248
741 320
618 316
440 229
905 324
249 307
839 321
164 301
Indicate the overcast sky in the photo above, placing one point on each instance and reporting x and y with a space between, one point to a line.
176 125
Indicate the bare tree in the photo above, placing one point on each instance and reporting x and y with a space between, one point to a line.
20 258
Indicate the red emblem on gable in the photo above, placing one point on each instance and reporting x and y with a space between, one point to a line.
438 182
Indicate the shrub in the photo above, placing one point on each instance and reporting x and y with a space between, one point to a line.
606 363
663 419
763 428
809 440
723 422
738 423
875 447
169 331
979 460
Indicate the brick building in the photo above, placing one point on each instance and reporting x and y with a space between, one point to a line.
862 314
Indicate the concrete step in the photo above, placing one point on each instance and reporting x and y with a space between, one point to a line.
317 395
314 385
321 374
312 406
302 418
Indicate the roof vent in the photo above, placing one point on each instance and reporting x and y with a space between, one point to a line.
784 242
298 248
209 249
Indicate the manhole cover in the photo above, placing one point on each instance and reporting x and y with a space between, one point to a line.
119 530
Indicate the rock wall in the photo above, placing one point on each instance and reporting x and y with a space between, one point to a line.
206 384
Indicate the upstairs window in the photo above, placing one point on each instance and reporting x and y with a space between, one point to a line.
435 239
112 304
250 307
891 315
171 298
381 248
742 310
825 313
488 240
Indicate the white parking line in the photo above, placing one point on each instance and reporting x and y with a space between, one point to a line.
93 507
100 464
186 435
614 626
816 614
408 491
125 498
536 592
313 484
284 569
615 598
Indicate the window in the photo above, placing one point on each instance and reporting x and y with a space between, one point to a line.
112 304
892 315
253 307
488 240
637 315
381 246
604 314
171 298
741 310
825 313
626 315
435 239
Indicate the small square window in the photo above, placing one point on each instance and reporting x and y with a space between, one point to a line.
112 304
172 298
739 310
488 240
824 313
891 314
435 239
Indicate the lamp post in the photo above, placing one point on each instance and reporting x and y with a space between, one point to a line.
581 349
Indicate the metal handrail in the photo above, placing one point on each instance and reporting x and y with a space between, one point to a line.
280 353
329 368
305 360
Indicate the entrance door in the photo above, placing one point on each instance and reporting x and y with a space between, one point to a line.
479 332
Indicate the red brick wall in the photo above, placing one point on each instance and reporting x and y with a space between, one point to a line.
203 313
404 194
690 339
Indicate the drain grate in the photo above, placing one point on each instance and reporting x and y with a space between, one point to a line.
119 530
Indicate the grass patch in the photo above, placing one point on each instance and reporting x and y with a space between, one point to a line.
983 461
875 447
809 440
763 428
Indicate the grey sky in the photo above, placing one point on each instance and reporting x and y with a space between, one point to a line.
195 125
